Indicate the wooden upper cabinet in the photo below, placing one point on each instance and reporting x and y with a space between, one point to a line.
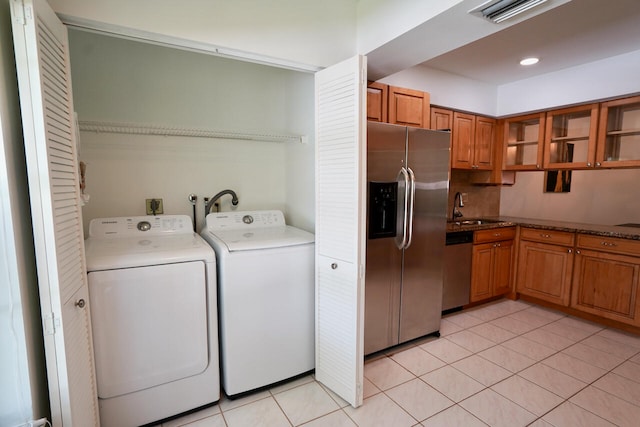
441 119
523 142
409 107
619 133
462 140
570 137
485 137
377 102
473 142
390 104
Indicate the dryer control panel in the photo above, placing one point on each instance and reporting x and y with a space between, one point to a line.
140 225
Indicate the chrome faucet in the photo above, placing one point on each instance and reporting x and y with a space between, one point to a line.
456 212
210 203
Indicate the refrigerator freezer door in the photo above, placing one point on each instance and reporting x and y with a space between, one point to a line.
386 156
403 295
421 296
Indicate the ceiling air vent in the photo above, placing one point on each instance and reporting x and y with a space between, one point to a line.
501 10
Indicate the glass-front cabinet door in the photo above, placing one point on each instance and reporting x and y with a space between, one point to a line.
570 137
619 133
524 142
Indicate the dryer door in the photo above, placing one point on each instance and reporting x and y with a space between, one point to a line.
149 325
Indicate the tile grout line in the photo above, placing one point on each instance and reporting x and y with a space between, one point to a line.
419 344
472 354
539 361
580 341
463 328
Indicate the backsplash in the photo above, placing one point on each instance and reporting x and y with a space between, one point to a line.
479 201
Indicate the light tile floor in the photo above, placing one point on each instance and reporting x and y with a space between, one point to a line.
507 363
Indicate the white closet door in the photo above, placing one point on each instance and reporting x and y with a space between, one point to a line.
44 80
340 226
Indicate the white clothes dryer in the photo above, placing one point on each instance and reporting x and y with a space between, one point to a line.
152 288
266 294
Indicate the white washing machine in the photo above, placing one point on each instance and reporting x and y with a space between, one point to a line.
266 294
152 288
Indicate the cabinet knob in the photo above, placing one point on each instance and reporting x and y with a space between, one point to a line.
578 252
570 251
538 167
80 303
546 236
334 266
608 244
497 234
598 164
588 164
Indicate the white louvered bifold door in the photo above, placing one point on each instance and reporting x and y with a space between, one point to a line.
44 79
340 224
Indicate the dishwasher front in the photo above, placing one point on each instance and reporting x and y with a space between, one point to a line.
457 270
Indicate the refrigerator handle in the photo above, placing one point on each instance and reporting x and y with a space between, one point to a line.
403 175
412 199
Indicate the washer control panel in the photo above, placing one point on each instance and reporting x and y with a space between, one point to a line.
140 225
245 220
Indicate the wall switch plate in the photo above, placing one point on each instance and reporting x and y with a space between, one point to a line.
154 203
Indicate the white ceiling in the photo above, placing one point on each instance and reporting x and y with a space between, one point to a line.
567 34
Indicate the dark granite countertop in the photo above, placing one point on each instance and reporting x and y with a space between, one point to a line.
572 227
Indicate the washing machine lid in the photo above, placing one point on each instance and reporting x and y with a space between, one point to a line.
263 238
126 242
253 230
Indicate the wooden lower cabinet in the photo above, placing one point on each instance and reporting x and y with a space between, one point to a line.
545 262
491 263
606 277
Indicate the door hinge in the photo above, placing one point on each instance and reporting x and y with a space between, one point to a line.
51 323
20 12
28 14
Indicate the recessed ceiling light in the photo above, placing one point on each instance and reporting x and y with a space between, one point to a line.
529 61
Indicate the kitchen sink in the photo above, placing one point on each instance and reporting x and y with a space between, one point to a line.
475 221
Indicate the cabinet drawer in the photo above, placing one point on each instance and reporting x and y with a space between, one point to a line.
609 244
494 235
547 236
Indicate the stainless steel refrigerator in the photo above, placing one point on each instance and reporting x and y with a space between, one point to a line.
408 183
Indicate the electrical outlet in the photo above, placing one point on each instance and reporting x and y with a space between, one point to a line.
154 203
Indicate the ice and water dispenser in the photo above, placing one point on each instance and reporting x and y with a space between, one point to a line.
382 209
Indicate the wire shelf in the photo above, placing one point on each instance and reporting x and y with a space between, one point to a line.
160 130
